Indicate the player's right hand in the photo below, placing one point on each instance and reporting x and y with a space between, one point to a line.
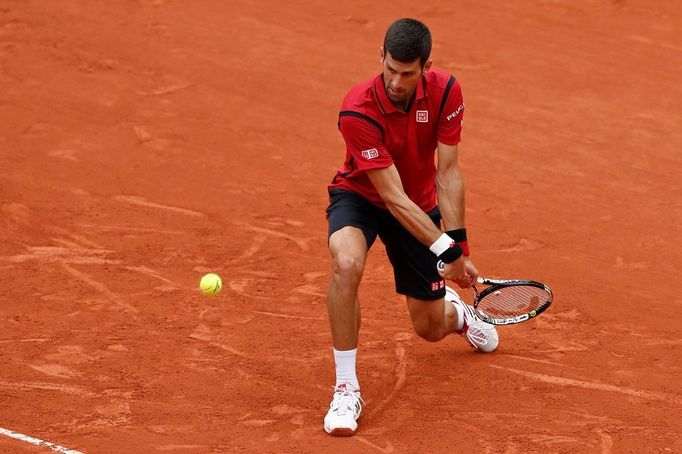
462 272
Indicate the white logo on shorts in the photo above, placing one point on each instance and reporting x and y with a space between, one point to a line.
370 154
422 116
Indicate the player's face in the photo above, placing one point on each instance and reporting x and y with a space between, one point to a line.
400 78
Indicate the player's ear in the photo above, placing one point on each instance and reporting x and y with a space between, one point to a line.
427 66
381 54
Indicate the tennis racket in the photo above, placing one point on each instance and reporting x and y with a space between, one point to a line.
505 302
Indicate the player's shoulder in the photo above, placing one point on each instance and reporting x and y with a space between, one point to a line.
361 98
438 80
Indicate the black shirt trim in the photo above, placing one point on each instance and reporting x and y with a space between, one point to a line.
350 113
451 82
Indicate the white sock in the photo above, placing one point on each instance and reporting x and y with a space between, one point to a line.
460 316
345 367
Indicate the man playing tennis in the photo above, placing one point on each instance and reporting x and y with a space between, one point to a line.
389 186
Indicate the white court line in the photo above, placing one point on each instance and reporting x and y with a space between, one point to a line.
554 380
37 442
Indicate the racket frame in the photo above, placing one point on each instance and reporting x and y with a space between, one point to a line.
499 284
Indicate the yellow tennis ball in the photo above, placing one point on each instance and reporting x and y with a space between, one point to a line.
211 284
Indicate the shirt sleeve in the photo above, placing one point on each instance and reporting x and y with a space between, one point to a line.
364 141
452 116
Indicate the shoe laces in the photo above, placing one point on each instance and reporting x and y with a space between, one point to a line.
475 333
346 400
474 328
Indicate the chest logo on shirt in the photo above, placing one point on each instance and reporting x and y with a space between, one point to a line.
370 154
422 116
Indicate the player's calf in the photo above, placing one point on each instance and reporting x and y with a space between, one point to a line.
430 319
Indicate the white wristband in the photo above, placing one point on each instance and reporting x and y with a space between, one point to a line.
443 243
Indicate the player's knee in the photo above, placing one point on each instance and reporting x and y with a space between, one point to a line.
347 268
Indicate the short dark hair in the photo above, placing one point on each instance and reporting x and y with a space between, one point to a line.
407 40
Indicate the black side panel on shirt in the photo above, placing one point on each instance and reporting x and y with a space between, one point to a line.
445 95
350 113
345 174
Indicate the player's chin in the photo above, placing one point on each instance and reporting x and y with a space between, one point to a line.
395 97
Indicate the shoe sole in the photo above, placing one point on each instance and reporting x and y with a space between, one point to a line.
341 432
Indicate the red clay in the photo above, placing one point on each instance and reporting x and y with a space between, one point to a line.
143 144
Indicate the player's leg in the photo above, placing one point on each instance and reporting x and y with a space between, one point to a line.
348 249
351 233
432 320
434 313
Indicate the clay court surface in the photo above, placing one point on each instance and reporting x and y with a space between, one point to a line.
145 143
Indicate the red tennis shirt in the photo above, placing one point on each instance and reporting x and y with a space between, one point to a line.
377 134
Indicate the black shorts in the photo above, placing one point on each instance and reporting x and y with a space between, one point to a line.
414 265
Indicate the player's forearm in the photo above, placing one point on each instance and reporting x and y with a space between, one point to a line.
450 192
413 218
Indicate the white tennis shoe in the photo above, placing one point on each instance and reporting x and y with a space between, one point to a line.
344 411
483 336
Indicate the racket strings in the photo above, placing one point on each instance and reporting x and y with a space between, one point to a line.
512 301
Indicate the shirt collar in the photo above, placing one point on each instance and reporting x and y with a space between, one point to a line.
386 104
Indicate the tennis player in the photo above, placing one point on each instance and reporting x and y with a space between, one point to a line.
393 126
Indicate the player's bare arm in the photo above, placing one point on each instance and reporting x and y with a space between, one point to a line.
450 187
450 193
389 186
